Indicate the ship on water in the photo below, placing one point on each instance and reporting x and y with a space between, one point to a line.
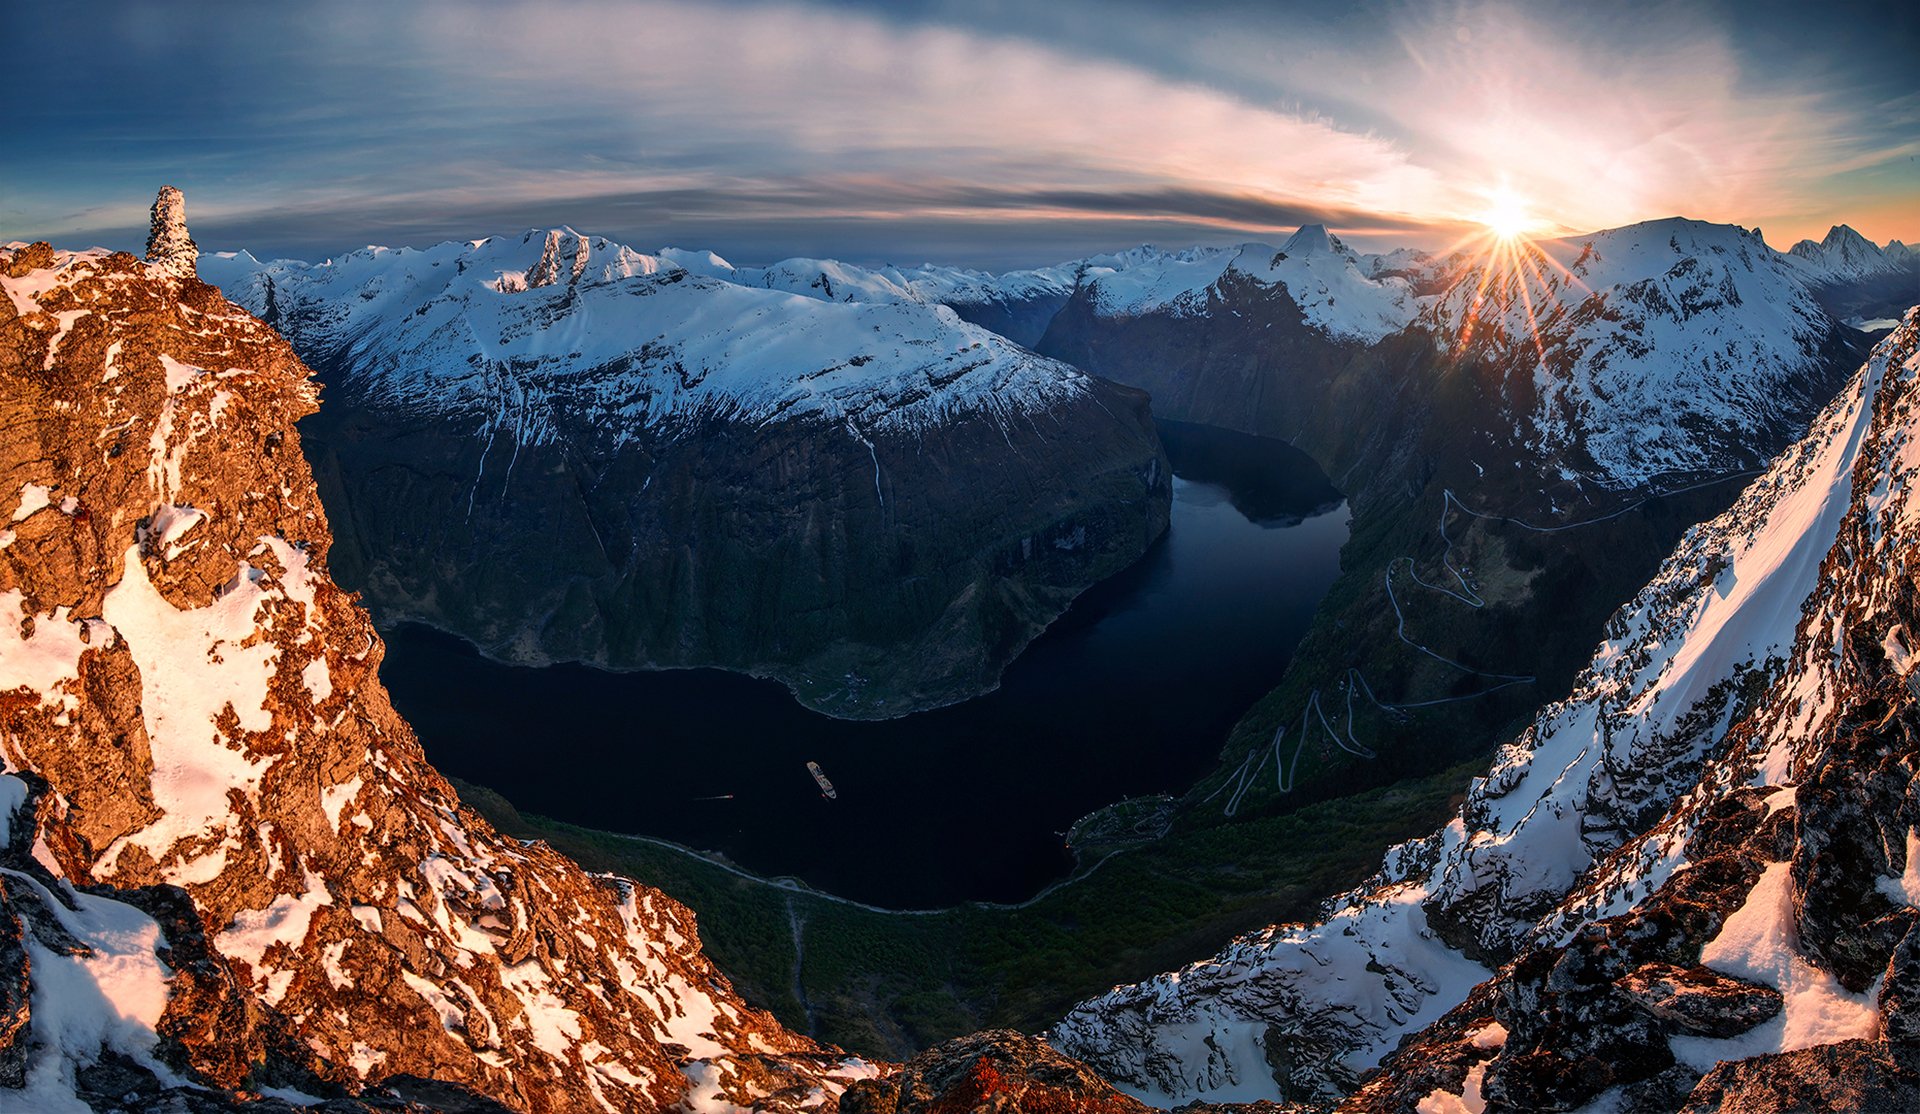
826 787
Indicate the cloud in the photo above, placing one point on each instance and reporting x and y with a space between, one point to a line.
674 119
786 88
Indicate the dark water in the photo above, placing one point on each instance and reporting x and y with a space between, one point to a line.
1131 692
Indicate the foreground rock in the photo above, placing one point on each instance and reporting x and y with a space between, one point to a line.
225 867
995 1070
565 450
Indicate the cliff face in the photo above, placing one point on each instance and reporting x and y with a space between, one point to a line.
565 450
227 867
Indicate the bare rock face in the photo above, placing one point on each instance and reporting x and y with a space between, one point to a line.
1855 1075
168 245
225 865
1699 999
994 1071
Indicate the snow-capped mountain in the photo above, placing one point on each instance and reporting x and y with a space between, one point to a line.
1606 361
1844 255
225 866
1703 855
433 327
1020 304
1016 304
1327 279
564 449
1654 350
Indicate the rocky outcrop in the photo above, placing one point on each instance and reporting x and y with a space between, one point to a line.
169 246
227 867
876 504
995 1070
1849 1077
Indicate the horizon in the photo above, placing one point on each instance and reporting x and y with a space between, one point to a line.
133 242
983 135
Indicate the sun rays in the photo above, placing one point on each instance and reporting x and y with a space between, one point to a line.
1506 267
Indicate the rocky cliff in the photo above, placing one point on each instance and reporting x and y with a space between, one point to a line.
565 450
227 875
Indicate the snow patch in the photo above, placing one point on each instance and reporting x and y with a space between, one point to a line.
1759 941
168 524
318 680
1468 1101
109 995
704 1096
194 666
33 497
1906 888
13 794
333 801
285 921
48 661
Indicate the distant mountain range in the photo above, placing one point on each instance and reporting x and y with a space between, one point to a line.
1634 506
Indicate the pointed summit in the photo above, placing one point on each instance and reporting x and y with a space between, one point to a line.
1310 239
168 243
1843 236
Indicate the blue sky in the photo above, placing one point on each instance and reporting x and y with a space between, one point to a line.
992 134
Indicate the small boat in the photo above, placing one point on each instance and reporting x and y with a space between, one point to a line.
826 787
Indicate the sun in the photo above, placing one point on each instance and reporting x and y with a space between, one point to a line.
1506 215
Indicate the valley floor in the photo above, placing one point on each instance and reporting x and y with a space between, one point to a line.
887 984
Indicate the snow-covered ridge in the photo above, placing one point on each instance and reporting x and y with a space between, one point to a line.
633 340
1653 349
1552 839
1334 286
1844 255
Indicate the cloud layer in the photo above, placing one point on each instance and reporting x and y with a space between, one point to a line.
989 134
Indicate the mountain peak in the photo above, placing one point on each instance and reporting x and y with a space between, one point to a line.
168 243
1843 236
1844 254
1310 239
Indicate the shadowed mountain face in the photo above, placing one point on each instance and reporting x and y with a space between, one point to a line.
1519 456
1692 884
1105 705
566 451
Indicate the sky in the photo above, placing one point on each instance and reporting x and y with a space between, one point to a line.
986 134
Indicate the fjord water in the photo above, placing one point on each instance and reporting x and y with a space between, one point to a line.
1131 692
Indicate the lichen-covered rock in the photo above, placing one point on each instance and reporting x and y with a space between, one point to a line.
1700 1000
